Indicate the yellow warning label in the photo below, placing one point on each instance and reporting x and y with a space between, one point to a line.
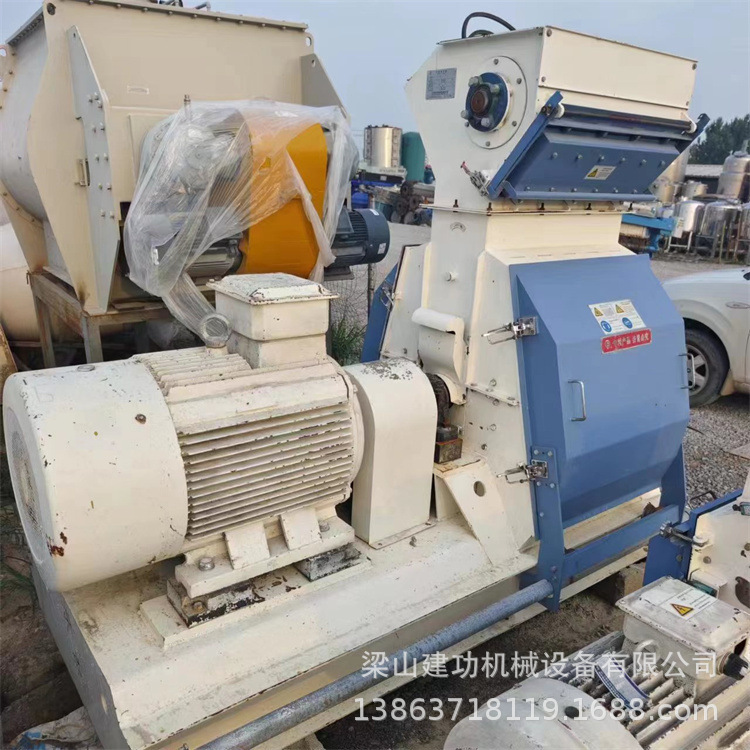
598 312
619 309
593 173
682 609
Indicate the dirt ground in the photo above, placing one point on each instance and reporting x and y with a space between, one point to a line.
35 686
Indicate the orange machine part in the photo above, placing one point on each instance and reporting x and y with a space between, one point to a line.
285 241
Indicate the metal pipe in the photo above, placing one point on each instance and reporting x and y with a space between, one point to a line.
314 703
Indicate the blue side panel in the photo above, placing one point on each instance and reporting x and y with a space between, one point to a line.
378 320
635 399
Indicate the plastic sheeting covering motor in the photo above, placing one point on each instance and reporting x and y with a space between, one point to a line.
213 170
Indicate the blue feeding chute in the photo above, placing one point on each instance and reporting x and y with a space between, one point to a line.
584 154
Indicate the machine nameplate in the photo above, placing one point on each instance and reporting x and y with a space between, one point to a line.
441 84
619 316
626 341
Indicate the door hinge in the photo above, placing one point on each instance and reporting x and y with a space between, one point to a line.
517 329
84 176
532 472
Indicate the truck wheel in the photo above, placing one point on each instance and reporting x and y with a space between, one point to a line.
710 366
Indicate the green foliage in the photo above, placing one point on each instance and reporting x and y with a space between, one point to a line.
720 139
347 339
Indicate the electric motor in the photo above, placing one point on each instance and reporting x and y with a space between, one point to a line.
120 464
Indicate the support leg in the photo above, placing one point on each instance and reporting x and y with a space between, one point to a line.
92 340
45 331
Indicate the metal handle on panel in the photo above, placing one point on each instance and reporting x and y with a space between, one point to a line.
582 418
690 369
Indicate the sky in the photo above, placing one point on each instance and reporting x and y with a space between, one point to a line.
369 48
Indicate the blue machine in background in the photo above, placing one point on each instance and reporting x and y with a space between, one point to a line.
656 229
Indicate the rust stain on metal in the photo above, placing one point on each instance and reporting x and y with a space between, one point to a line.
64 538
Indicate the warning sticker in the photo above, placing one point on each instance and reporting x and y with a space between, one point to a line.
619 316
688 604
626 340
600 172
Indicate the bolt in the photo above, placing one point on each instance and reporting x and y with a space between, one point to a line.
552 485
494 88
549 453
450 276
485 122
519 80
541 512
206 563
465 114
553 569
493 382
536 452
324 526
493 427
543 79
140 418
487 143
643 161
484 446
679 558
747 547
579 157
495 61
514 123
198 607
101 213
707 560
474 81
554 155
549 32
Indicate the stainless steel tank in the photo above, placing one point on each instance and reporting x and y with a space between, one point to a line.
689 214
734 175
666 184
693 188
382 146
717 216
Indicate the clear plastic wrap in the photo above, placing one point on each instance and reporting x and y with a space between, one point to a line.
212 170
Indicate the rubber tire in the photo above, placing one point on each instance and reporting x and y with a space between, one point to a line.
718 366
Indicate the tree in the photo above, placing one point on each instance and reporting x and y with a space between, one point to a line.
720 139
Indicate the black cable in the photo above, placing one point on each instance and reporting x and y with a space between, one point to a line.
483 14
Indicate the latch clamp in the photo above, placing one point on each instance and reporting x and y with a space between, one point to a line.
532 472
517 329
